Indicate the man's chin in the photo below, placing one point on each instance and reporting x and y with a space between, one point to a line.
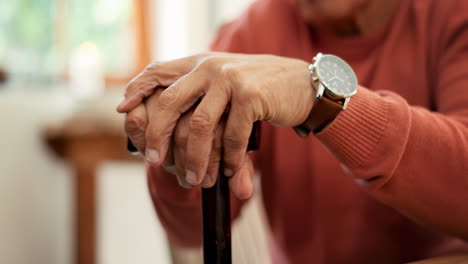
320 20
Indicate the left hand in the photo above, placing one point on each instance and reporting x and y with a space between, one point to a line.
257 87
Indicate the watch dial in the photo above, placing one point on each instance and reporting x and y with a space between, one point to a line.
337 75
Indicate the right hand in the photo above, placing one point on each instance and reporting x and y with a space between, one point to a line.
138 127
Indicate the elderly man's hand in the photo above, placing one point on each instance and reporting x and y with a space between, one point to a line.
136 123
256 87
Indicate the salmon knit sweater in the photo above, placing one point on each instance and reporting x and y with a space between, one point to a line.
387 180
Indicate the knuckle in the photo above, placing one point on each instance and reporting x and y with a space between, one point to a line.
248 94
209 63
232 143
152 66
214 159
200 124
167 98
134 125
133 84
144 78
230 73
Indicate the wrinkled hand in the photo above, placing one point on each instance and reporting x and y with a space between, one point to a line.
136 123
257 87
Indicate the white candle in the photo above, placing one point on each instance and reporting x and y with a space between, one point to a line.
86 74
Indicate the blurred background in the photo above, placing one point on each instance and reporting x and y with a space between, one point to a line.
69 192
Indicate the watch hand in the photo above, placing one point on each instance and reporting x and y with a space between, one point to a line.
327 71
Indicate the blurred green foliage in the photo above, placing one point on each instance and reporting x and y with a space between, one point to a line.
28 33
26 24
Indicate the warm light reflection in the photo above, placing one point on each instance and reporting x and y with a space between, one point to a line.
86 74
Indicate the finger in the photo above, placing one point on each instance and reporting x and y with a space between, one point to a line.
236 138
179 145
202 129
156 74
179 159
168 163
150 155
165 112
241 184
215 158
135 126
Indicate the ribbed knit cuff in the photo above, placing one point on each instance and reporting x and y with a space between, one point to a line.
355 133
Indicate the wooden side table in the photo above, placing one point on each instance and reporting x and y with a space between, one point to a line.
86 142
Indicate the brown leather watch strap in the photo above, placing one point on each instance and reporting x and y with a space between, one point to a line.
323 112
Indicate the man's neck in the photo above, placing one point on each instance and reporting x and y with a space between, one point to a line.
367 19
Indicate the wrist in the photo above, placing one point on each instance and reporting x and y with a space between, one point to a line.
334 82
310 124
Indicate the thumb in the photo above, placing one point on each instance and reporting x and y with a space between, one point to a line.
241 183
135 126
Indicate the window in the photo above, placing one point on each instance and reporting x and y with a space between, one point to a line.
40 37
107 24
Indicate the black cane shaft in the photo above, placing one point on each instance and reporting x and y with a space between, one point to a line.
217 213
217 222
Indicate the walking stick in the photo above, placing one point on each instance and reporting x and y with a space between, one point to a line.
217 215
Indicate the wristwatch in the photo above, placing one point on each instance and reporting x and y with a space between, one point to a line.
335 83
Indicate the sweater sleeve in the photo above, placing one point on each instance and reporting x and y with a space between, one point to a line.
408 157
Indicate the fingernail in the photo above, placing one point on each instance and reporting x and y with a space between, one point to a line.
206 182
183 183
121 101
227 172
191 177
152 155
170 169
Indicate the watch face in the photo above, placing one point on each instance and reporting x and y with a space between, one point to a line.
337 75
